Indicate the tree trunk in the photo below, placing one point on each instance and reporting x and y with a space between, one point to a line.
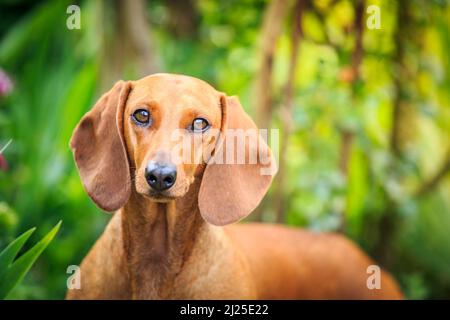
286 113
183 18
271 30
127 46
389 220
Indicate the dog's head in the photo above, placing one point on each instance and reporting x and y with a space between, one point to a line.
155 136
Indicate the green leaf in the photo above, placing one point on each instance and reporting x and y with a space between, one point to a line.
30 29
17 270
9 253
357 190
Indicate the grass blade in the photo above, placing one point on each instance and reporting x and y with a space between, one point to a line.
9 253
15 273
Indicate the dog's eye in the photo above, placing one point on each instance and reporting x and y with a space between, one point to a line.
141 117
199 125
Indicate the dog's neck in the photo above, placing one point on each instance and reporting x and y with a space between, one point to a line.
157 239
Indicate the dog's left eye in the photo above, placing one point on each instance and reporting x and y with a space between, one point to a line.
141 117
199 125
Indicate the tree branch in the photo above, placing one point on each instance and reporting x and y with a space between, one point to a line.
394 141
430 184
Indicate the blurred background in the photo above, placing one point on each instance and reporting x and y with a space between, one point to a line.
363 108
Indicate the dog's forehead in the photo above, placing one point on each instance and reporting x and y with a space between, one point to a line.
172 88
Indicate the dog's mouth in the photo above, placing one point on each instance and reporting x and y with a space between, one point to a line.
178 190
159 196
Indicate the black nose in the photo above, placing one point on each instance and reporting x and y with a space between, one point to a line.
160 176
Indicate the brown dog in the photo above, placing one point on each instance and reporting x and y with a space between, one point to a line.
166 240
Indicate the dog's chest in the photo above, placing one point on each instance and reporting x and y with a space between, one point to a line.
213 271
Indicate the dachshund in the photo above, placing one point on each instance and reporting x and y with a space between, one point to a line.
174 233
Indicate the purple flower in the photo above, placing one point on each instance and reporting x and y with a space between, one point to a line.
3 163
6 84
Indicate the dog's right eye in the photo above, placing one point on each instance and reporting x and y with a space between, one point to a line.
141 117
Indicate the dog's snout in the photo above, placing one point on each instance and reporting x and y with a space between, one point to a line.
160 177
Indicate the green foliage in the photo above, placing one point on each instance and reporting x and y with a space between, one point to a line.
53 86
8 221
58 74
12 271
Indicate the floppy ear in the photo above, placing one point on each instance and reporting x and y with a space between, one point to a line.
231 191
99 151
